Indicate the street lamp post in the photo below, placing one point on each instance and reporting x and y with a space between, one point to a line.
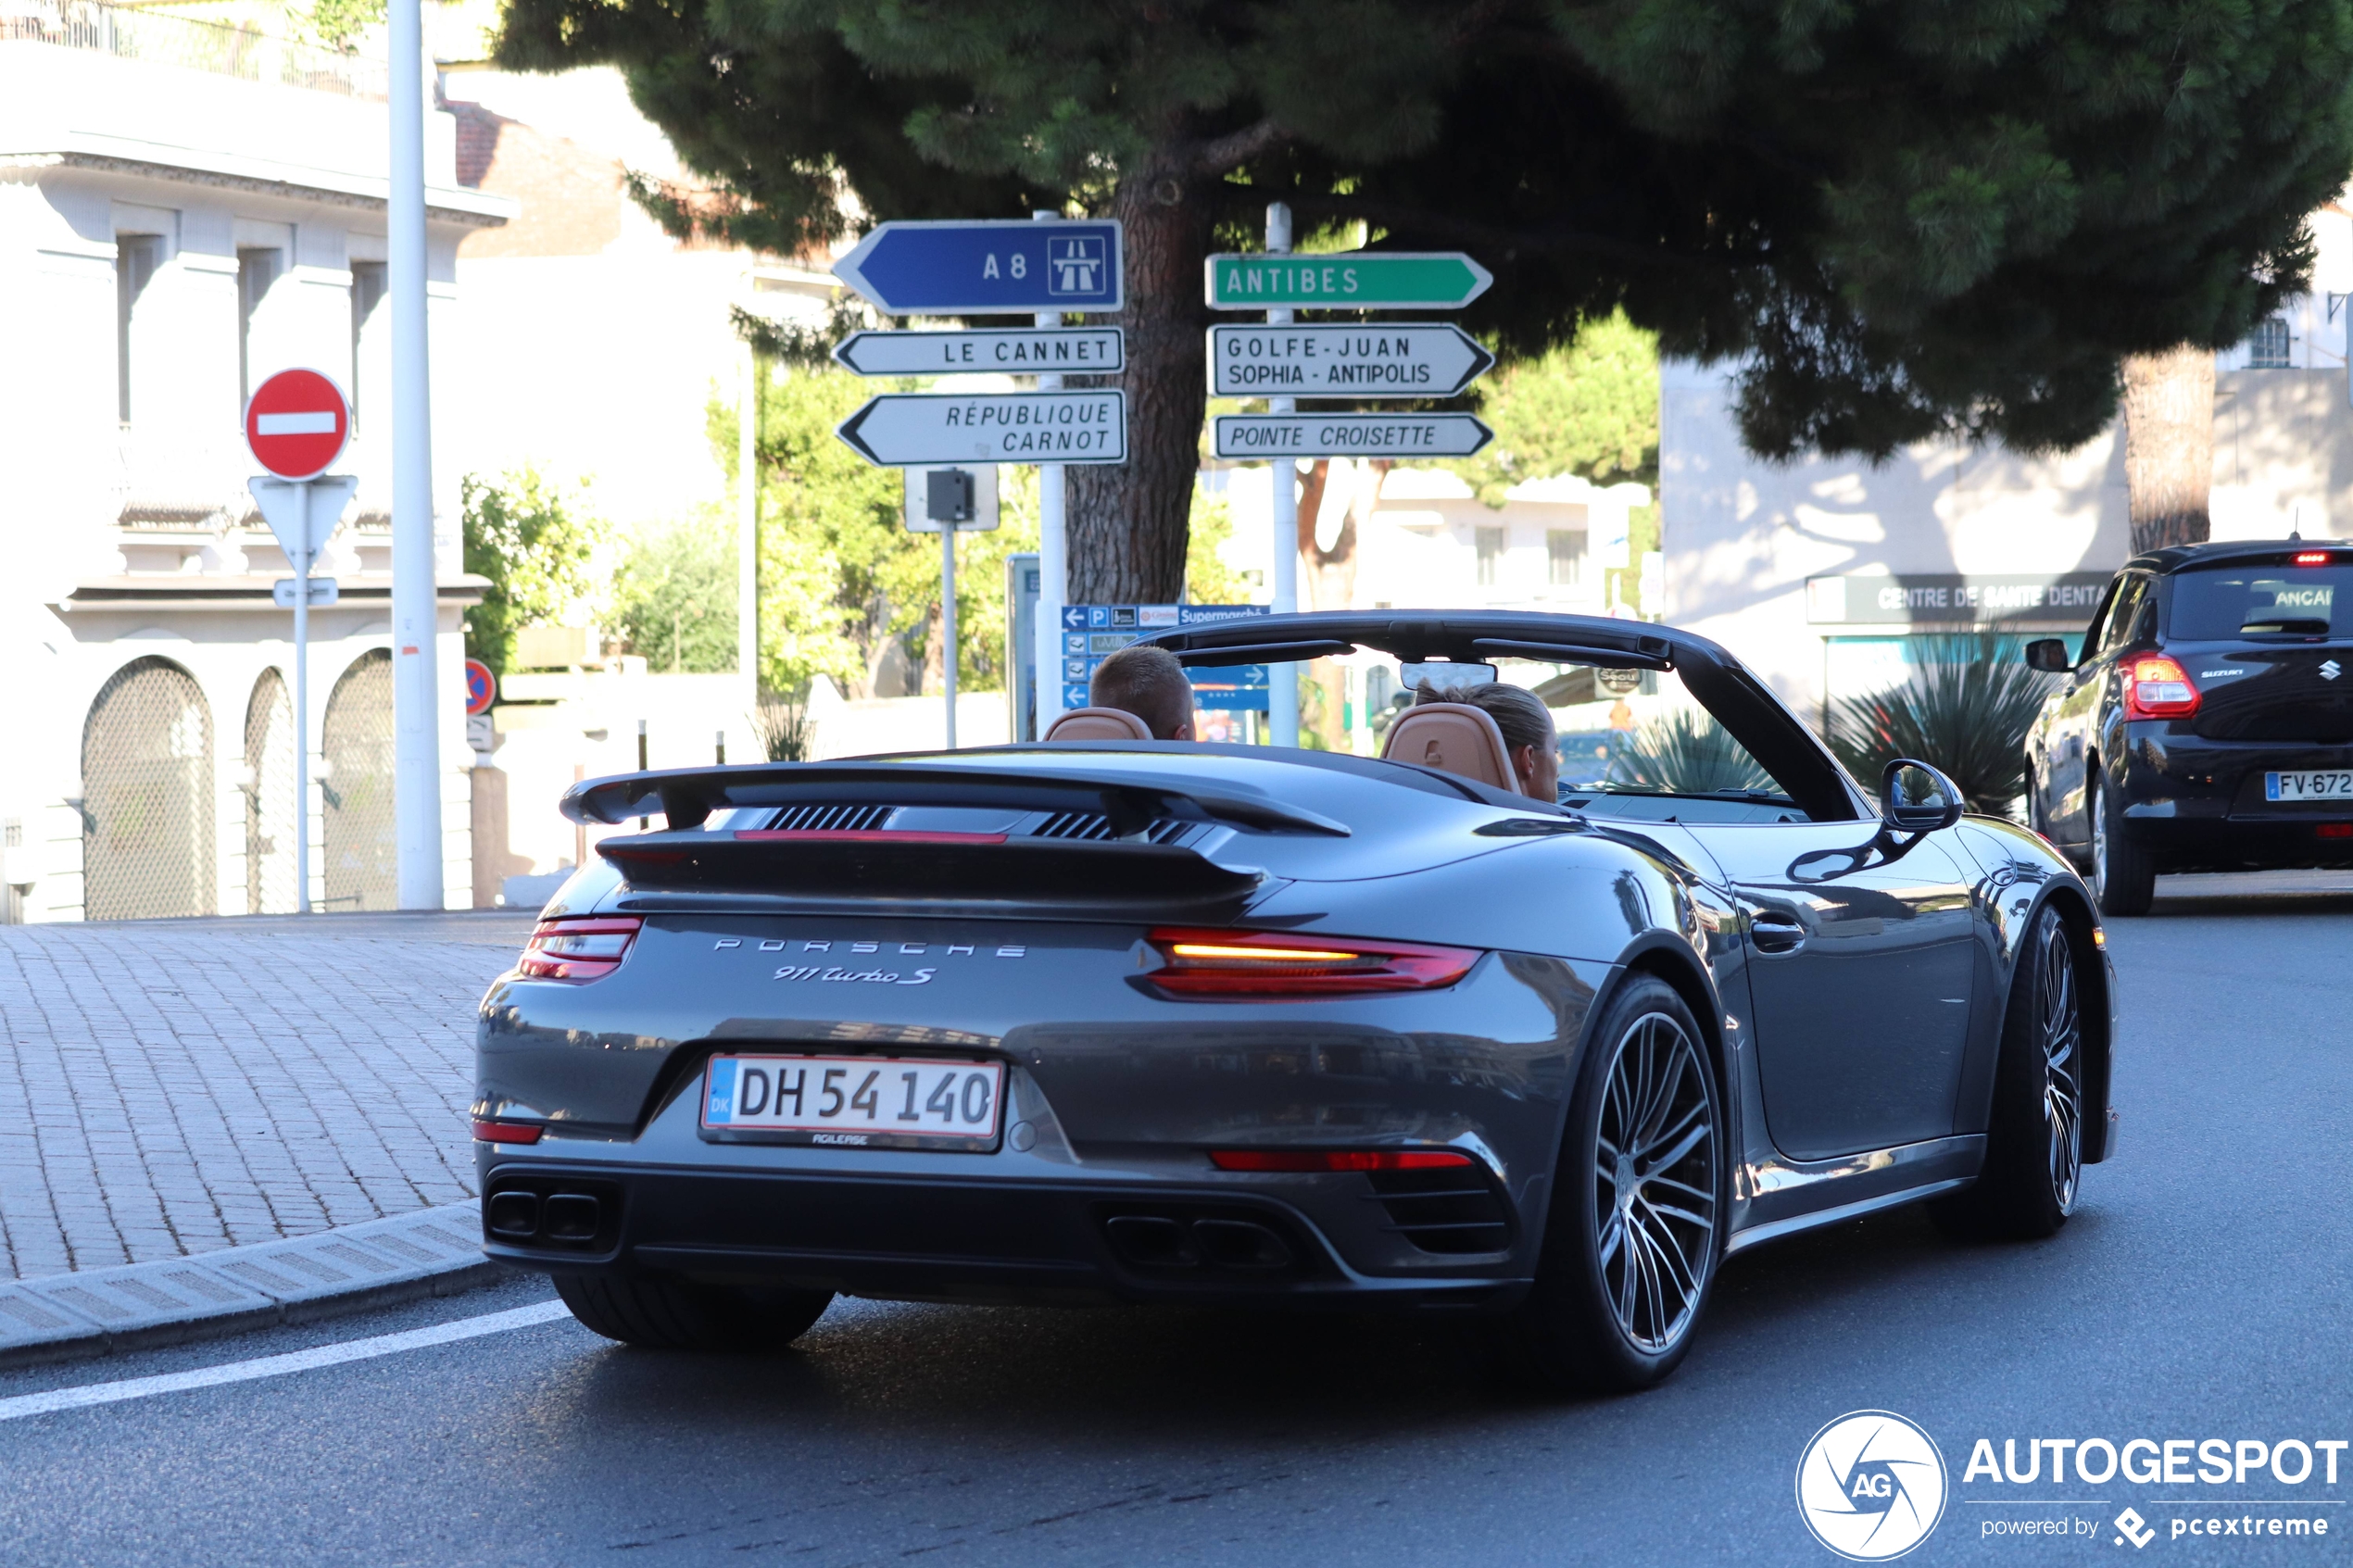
415 614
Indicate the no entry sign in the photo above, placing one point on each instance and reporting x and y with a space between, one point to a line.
296 423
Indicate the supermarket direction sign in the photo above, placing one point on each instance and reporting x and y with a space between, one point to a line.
1348 435
1376 359
1348 280
979 267
1093 633
912 430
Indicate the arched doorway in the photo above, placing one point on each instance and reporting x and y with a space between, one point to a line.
147 796
363 864
271 826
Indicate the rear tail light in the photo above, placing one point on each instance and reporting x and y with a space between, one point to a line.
2311 557
507 1132
2158 688
578 950
1265 963
2334 830
1339 1159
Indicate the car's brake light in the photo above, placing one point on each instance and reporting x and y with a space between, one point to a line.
2334 830
578 948
1338 1159
2158 688
1269 963
507 1132
2311 557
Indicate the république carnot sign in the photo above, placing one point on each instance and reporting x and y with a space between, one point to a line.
910 430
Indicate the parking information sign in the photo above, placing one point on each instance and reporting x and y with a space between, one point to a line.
1093 633
980 267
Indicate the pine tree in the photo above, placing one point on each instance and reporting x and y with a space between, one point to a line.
1899 221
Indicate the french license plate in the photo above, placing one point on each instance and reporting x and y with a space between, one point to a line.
854 1101
2331 784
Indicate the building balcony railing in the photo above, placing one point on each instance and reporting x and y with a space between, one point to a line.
130 33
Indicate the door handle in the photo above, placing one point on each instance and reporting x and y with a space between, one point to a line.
1775 932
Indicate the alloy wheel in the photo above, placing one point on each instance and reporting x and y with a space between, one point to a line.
1655 1168
2060 1035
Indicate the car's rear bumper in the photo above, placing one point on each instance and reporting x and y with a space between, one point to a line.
977 1239
2199 804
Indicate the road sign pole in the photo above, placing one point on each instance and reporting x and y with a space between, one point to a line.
947 622
1282 697
747 526
302 702
1053 558
416 790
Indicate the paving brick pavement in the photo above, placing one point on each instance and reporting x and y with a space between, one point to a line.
174 1087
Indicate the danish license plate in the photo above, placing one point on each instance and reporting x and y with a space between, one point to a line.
2332 784
854 1101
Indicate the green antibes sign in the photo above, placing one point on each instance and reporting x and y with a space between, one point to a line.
1348 280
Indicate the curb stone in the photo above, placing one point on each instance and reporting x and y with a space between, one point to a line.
349 1269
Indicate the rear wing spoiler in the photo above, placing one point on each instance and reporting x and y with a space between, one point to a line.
686 797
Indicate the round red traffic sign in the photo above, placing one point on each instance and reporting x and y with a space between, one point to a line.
482 687
296 423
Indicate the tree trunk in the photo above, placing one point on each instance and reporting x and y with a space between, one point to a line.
1128 521
2168 446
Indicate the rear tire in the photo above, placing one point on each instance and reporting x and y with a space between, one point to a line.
1635 1232
661 1313
2034 1167
2123 875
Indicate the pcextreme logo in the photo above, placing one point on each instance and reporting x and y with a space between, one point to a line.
1872 1486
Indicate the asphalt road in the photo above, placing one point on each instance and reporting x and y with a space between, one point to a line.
2199 1293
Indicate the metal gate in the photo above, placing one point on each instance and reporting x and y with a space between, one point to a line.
147 797
270 825
362 869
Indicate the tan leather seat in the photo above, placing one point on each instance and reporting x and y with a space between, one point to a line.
1101 723
1454 737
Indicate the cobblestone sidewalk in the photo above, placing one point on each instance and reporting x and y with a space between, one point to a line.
173 1087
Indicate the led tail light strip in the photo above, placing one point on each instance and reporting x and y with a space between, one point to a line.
586 949
1280 964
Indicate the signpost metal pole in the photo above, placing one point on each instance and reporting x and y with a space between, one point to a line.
748 525
415 614
1053 558
1282 698
947 622
302 702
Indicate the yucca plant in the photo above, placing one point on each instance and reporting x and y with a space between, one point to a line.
1965 711
782 723
1684 751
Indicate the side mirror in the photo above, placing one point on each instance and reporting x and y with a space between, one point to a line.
2049 653
1915 797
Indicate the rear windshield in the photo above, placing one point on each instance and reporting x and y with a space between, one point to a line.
2252 601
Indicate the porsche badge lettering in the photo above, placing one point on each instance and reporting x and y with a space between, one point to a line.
824 974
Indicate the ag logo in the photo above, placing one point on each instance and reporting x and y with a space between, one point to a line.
1870 1485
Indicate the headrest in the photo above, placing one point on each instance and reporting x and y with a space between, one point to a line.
1099 723
1454 737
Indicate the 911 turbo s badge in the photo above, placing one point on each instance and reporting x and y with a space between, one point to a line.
837 974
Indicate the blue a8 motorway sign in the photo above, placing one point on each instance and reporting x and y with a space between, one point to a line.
987 266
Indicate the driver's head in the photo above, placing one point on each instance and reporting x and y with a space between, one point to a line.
1528 731
1148 682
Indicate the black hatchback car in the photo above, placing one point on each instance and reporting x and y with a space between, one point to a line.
2209 724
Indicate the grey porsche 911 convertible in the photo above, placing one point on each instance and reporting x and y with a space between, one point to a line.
1117 1019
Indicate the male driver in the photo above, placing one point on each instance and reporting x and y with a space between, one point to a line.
1148 682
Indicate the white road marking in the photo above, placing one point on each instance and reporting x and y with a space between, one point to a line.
278 1366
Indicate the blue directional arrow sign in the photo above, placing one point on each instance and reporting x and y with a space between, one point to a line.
987 266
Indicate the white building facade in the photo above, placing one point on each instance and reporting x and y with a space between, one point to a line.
1823 574
184 209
